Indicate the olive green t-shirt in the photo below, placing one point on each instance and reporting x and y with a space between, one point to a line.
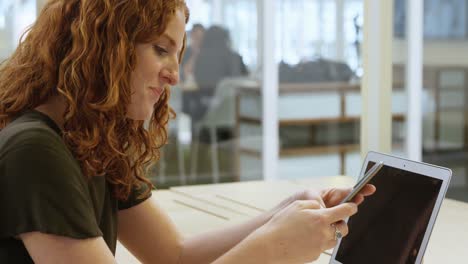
43 189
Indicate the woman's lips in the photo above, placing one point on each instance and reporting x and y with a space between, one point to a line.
157 92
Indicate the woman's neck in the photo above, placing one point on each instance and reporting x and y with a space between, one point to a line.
54 108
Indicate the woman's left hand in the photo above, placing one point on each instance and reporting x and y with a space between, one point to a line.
333 196
328 197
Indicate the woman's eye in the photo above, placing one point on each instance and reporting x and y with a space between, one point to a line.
160 50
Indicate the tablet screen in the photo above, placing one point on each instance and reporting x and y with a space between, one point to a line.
390 225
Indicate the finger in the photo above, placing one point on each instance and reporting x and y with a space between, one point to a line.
358 199
306 204
312 195
340 212
330 244
334 196
342 226
369 189
321 202
337 191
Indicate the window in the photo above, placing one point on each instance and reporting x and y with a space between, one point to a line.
15 17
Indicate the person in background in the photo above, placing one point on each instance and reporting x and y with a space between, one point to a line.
217 60
191 52
74 100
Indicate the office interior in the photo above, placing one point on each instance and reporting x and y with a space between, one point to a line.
309 88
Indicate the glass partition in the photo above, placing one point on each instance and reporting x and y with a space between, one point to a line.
445 85
207 140
319 62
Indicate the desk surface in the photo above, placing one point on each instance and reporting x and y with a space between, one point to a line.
199 208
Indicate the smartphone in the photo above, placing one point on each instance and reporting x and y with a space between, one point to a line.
363 181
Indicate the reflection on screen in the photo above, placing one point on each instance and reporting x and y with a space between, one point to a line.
390 225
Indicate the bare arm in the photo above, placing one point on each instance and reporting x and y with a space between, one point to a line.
45 248
149 234
207 247
266 238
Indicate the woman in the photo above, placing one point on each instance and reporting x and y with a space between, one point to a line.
217 60
74 97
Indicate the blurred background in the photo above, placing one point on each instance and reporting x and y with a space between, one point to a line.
219 133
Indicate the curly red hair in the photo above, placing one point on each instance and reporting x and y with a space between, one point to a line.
84 50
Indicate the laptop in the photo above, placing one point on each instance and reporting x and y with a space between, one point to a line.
394 225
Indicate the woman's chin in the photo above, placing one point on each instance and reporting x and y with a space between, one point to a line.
141 115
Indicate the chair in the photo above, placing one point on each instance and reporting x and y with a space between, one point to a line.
221 112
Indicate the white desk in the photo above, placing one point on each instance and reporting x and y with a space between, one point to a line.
195 209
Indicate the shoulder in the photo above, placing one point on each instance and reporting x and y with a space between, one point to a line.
32 134
31 151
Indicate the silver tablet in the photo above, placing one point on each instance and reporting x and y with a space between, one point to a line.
394 225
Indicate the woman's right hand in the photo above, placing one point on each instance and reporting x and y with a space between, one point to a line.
303 230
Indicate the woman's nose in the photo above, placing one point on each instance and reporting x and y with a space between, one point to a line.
170 77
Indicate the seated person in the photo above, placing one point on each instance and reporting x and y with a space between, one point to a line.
74 100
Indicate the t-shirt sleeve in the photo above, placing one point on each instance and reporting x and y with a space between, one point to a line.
137 196
43 190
